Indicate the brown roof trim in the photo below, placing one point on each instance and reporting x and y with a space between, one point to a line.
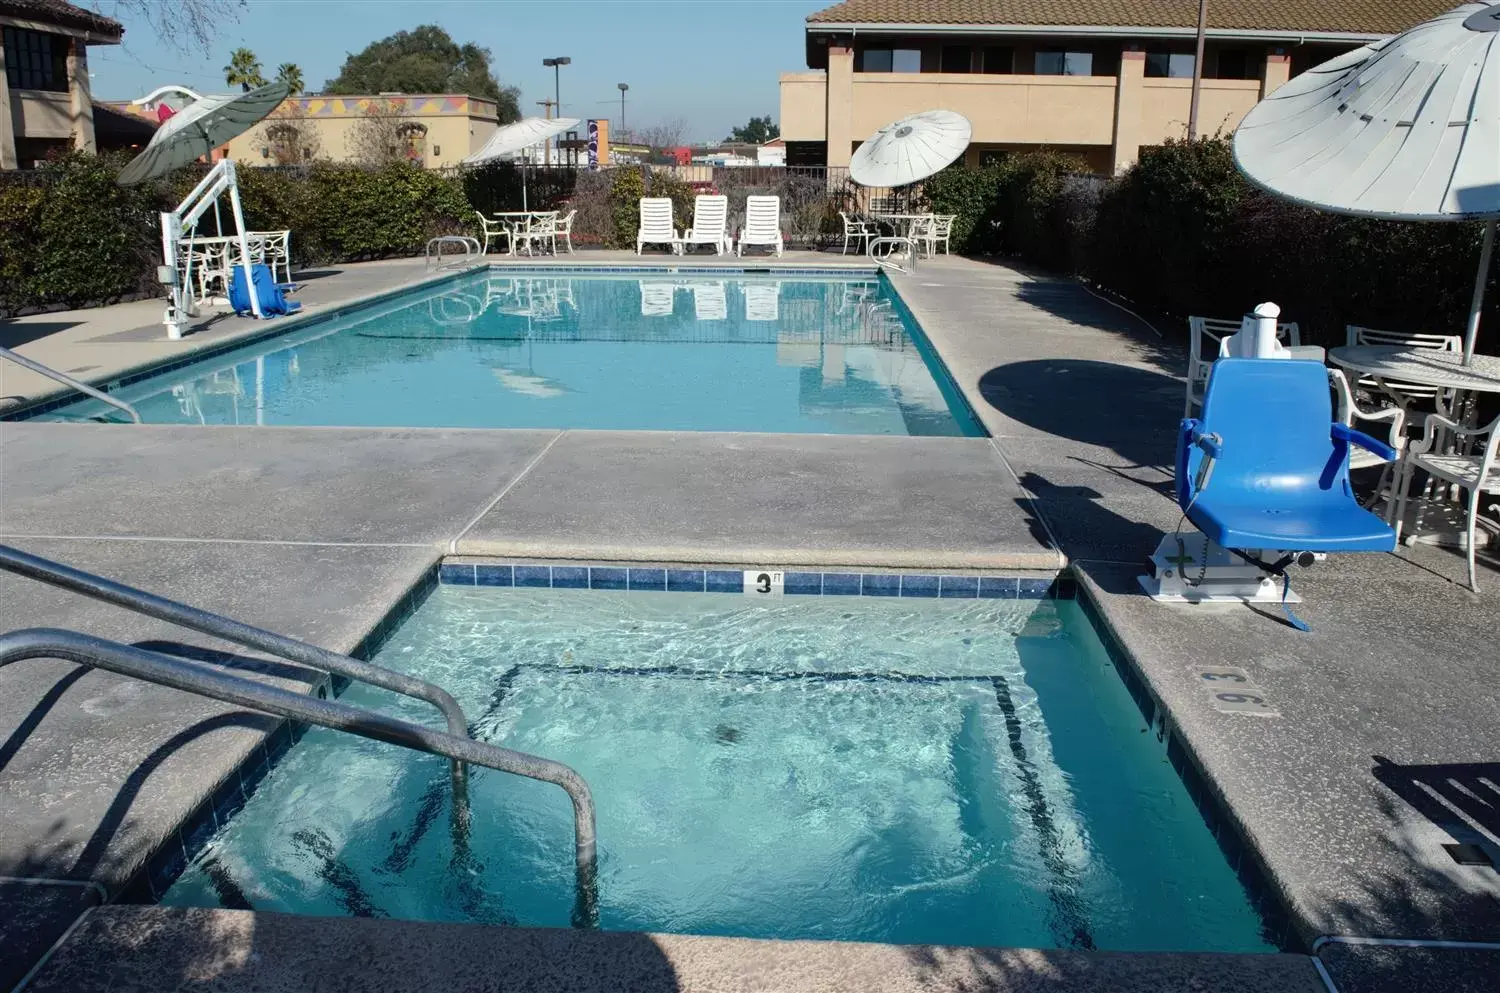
64 14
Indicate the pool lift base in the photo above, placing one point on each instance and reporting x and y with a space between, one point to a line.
1190 568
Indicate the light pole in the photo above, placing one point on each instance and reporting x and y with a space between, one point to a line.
556 66
623 87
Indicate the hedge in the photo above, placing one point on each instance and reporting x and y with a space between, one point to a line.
1181 233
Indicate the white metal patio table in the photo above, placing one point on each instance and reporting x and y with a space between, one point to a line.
519 222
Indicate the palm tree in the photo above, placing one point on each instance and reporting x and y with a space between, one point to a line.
290 74
244 69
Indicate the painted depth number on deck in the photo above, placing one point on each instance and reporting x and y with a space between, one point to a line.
764 582
1231 691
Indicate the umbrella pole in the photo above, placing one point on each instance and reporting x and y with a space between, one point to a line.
524 169
1486 252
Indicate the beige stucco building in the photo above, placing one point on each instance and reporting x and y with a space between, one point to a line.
1100 78
435 130
44 77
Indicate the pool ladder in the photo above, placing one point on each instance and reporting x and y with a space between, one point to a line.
209 681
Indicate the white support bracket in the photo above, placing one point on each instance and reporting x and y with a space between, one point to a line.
181 305
1189 568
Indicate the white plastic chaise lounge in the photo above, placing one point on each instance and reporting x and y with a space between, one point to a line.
710 224
656 225
762 224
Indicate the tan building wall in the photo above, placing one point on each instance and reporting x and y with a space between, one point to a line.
1106 119
455 125
52 115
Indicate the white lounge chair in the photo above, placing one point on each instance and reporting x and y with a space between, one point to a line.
710 224
762 301
494 229
657 297
710 302
762 224
1204 336
656 225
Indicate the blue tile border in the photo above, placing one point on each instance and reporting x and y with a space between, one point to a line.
670 579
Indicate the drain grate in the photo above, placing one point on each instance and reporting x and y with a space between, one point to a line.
1469 855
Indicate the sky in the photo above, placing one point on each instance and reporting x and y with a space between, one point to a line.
712 63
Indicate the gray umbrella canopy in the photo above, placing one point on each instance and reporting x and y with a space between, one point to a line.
199 128
1405 129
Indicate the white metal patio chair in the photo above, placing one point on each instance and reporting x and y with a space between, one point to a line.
1204 336
858 231
710 224
539 231
656 225
1405 394
762 224
939 231
1477 473
1348 411
563 228
495 229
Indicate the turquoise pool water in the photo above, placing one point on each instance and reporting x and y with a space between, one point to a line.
648 351
955 771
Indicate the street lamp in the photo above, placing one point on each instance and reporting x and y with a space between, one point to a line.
623 87
556 66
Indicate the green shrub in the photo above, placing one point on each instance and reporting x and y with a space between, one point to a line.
665 183
625 193
971 195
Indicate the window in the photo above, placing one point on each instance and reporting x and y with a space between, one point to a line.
891 60
1054 62
1234 63
36 61
956 58
1000 61
1169 65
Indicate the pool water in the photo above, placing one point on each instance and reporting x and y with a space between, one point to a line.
653 351
947 771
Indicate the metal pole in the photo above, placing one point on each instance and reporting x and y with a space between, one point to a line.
1486 253
1192 132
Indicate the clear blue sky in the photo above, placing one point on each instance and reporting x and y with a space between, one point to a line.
713 63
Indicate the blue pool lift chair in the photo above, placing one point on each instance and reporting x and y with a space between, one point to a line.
1263 475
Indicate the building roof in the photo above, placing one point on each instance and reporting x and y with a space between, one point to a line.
64 14
1359 17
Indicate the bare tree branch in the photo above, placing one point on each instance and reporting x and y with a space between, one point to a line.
184 23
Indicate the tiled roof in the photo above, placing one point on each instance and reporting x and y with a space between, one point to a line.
64 13
1355 16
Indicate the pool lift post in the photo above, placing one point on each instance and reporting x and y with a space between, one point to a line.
174 224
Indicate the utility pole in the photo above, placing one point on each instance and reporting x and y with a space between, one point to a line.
1197 71
547 148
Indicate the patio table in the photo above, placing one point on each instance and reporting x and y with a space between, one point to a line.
518 221
214 256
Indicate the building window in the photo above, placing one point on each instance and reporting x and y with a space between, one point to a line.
999 60
1055 62
36 61
1234 63
891 60
956 58
1169 65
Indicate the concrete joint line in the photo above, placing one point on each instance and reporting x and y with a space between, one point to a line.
218 541
1062 560
453 544
61 939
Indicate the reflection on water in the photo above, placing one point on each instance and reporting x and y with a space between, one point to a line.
504 350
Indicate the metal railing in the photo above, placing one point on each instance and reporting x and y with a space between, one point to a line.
66 380
891 244
208 681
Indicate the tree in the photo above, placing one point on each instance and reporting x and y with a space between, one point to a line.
425 60
385 135
666 134
290 74
757 132
243 70
183 21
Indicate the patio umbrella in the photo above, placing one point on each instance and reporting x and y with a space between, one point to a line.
1405 129
911 149
523 134
197 129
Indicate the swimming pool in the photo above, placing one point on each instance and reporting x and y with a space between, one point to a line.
961 771
720 352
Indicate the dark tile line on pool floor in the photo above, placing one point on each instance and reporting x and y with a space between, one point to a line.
163 868
663 579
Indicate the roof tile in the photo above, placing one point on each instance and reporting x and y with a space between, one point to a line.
62 12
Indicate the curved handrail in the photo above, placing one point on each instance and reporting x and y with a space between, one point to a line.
469 244
69 381
64 576
891 242
207 681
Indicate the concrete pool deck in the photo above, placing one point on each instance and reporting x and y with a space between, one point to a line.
316 532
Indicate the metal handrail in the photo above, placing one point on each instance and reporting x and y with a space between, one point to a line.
208 681
884 261
66 380
141 602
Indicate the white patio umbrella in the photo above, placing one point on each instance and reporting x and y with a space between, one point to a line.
197 129
510 139
911 149
1405 129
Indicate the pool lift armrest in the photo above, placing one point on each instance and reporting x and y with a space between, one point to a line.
1349 436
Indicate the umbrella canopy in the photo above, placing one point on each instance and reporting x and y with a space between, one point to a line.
911 149
1404 129
512 138
197 129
